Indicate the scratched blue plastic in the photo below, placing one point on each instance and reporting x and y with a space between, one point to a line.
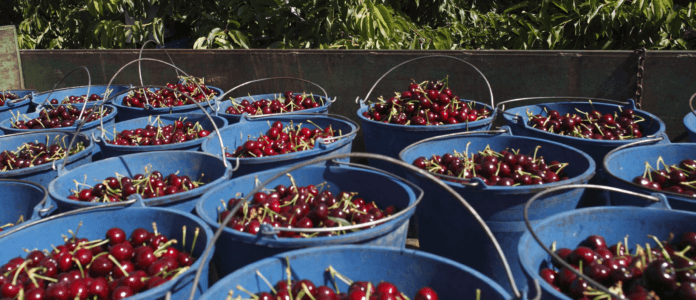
110 150
22 198
236 134
15 107
441 217
690 124
61 94
231 118
384 190
409 270
190 163
87 129
96 223
129 113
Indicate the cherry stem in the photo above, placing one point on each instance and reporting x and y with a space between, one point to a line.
183 234
266 281
118 265
195 237
306 290
239 287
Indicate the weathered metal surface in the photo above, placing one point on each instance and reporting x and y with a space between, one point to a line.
10 70
349 74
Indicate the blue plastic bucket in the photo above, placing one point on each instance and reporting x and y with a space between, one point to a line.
409 270
188 163
690 124
232 118
88 128
236 134
38 101
375 186
21 106
97 222
129 113
43 174
441 218
23 198
110 150
570 229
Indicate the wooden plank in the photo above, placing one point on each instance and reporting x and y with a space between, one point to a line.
10 63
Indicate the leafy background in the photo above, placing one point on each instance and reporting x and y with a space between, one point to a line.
355 24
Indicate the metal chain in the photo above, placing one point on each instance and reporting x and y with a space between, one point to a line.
639 76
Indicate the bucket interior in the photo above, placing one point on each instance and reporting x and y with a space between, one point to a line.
630 163
7 124
166 120
61 94
225 103
19 199
407 269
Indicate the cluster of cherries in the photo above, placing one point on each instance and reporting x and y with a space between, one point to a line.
593 125
152 185
504 168
33 154
77 99
165 98
676 178
6 97
156 134
112 268
303 207
280 139
61 116
287 103
664 271
428 103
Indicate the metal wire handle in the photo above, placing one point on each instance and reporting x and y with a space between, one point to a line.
490 90
140 69
430 177
691 104
465 133
556 257
69 213
89 85
556 97
43 189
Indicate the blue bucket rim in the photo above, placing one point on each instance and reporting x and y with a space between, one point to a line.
87 126
60 198
102 143
221 112
172 109
250 269
20 172
661 128
167 286
293 242
282 157
532 189
639 187
464 125
45 93
18 104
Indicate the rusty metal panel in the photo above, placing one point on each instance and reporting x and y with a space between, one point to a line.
10 63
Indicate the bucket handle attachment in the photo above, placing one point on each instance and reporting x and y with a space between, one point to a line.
490 90
70 213
430 177
502 109
89 85
462 181
691 104
556 257
222 97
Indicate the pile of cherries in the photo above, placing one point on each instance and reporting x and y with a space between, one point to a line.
165 98
303 207
593 125
675 178
77 99
280 139
663 271
152 185
61 116
6 97
111 268
287 103
428 103
156 134
504 168
33 154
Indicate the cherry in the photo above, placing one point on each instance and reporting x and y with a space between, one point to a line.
548 275
596 242
426 293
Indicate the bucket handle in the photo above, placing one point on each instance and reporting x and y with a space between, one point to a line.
69 213
89 85
490 90
630 102
691 104
326 95
430 177
462 181
556 257
140 69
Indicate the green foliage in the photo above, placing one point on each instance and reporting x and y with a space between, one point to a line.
357 24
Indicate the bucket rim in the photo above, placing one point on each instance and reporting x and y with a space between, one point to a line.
251 268
40 168
531 189
168 199
443 127
248 238
615 143
90 125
